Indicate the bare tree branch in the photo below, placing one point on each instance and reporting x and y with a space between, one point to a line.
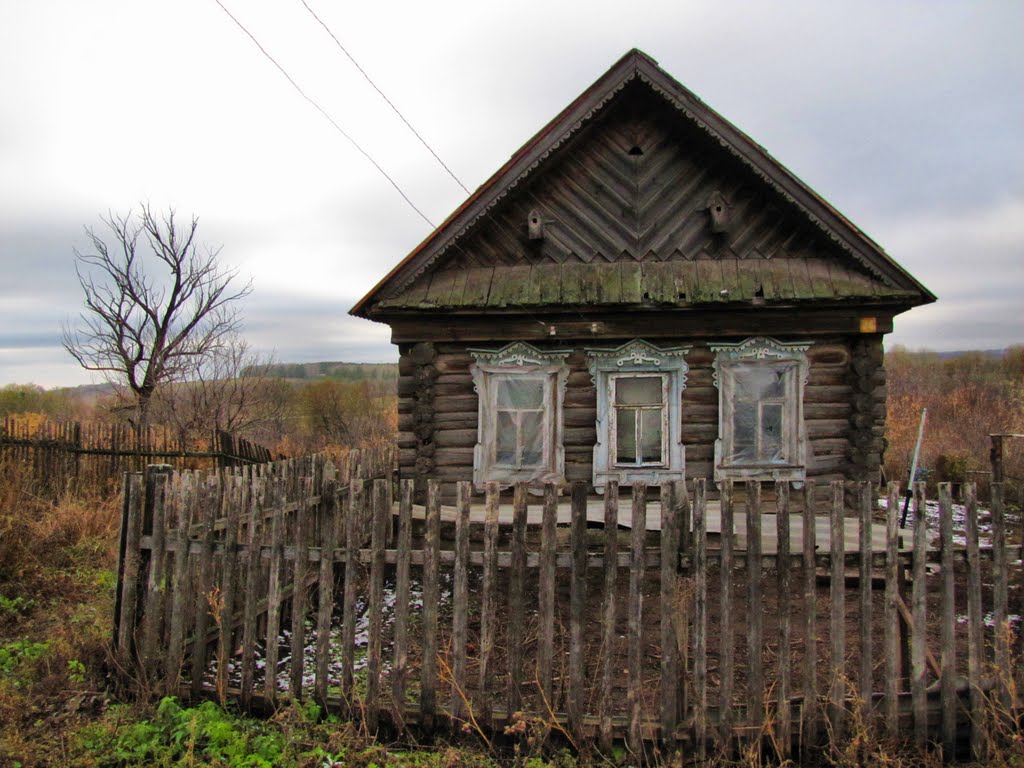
157 305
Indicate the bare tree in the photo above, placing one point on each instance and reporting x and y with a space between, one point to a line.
233 390
156 304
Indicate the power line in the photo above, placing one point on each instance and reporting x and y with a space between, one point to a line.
323 112
389 103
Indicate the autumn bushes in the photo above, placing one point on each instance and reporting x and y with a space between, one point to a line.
968 398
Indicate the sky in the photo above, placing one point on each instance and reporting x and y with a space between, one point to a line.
907 117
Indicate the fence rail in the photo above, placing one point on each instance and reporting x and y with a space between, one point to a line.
304 579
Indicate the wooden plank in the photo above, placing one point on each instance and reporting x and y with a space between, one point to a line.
403 586
1000 601
549 277
837 611
431 596
546 594
783 715
671 605
184 497
755 613
375 603
634 613
517 587
727 651
460 601
300 566
253 589
700 616
918 664
577 606
611 545
975 627
274 586
892 618
478 286
157 482
233 501
867 627
208 513
328 541
488 615
631 281
810 715
947 623
354 513
130 571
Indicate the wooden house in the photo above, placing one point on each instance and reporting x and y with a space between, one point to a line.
642 293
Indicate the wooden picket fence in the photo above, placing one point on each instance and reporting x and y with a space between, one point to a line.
93 457
306 579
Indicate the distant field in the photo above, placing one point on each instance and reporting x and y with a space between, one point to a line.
335 370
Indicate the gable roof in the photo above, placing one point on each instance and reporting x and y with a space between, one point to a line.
871 273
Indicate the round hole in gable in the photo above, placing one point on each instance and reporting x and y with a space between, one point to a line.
635 151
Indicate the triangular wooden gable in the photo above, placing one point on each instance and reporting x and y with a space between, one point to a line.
619 188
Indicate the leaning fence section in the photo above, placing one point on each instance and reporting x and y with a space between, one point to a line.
498 614
93 457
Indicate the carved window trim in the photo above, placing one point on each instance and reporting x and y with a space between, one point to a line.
638 358
789 361
519 361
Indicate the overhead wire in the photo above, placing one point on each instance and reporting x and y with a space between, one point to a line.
454 243
383 96
324 112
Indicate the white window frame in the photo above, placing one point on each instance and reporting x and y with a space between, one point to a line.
613 428
633 359
518 361
791 359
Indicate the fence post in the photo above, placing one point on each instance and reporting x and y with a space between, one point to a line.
126 609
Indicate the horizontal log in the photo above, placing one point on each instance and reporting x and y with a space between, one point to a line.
456 404
832 428
455 438
840 393
456 420
818 411
454 457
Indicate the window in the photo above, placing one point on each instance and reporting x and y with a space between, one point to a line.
761 433
639 387
639 416
519 428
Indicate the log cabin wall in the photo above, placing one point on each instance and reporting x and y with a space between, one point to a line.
844 410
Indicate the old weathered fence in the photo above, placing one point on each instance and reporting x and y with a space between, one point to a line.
63 456
301 579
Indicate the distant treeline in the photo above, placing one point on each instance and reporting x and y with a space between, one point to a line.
335 370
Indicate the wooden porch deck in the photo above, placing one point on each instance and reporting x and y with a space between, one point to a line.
769 528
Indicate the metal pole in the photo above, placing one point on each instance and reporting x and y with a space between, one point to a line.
913 468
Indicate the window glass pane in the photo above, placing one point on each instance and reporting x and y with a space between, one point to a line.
744 431
757 381
650 435
638 390
625 436
531 435
520 393
771 432
505 439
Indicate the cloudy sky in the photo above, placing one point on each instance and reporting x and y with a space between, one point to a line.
906 116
